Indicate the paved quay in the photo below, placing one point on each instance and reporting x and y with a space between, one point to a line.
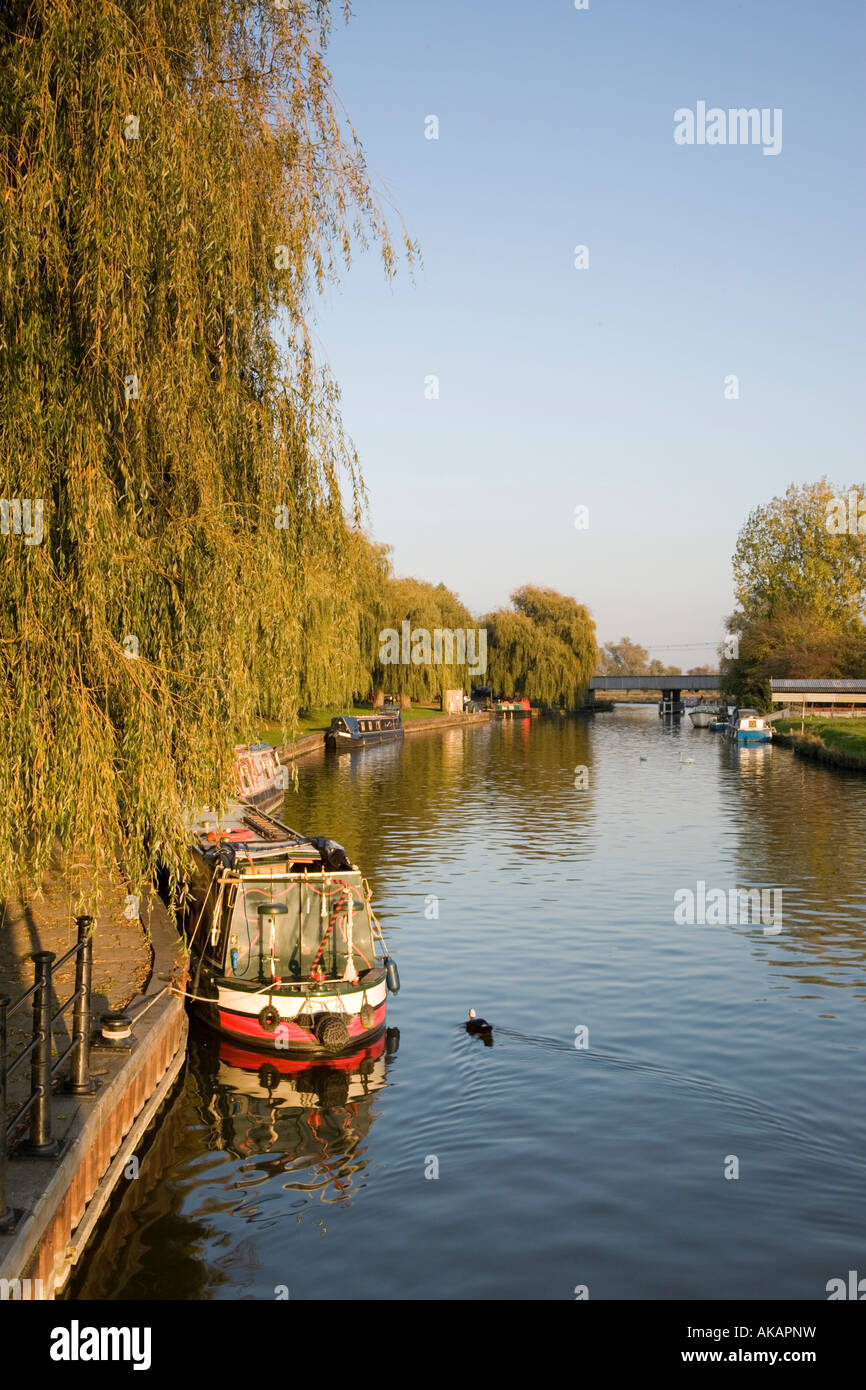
137 957
122 957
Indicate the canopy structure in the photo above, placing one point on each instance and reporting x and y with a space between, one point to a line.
847 695
279 925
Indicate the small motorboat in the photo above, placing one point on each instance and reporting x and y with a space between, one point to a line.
283 938
703 714
748 726
350 731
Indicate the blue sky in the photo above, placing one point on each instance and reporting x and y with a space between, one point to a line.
605 386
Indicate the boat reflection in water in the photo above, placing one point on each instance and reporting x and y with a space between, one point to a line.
308 1114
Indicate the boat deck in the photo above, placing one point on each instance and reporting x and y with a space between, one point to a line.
253 834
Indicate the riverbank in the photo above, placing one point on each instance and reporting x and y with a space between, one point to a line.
318 721
830 741
312 743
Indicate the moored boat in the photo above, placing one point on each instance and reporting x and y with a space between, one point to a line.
748 726
703 713
702 718
261 780
513 707
349 731
283 938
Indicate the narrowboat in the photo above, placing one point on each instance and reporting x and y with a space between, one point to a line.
260 778
747 726
349 731
512 708
283 939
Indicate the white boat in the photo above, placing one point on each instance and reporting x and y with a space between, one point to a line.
704 714
702 718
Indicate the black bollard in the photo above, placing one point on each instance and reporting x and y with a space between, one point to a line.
40 1144
80 1082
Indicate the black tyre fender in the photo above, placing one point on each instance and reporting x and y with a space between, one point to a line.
332 1032
269 1018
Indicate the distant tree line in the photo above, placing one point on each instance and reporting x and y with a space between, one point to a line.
628 658
542 647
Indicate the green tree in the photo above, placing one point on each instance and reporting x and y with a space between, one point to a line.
426 608
627 658
544 648
800 583
176 179
789 556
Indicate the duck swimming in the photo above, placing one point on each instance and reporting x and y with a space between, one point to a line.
474 1024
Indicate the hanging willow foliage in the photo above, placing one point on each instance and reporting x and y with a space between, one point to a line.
175 180
544 648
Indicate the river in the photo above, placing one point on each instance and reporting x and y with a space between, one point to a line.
666 1111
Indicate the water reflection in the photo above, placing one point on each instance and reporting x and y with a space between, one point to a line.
287 1125
801 828
307 1120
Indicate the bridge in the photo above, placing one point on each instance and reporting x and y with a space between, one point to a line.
672 688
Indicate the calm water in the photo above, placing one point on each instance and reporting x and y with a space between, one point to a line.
557 1165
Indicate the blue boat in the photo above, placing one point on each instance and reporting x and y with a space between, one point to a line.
350 731
748 726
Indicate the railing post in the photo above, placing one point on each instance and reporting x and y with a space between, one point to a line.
7 1218
80 1082
40 1143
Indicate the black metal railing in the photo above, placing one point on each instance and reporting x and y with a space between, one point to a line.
40 1142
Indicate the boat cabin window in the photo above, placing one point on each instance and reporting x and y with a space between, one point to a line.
277 927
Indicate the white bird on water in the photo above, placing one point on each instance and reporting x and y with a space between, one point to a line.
686 760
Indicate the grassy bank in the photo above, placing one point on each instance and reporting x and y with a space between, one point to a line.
316 721
838 742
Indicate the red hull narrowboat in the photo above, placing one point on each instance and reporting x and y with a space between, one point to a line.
261 778
283 939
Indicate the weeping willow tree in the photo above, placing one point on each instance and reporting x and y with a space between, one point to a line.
177 181
344 613
427 664
544 648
